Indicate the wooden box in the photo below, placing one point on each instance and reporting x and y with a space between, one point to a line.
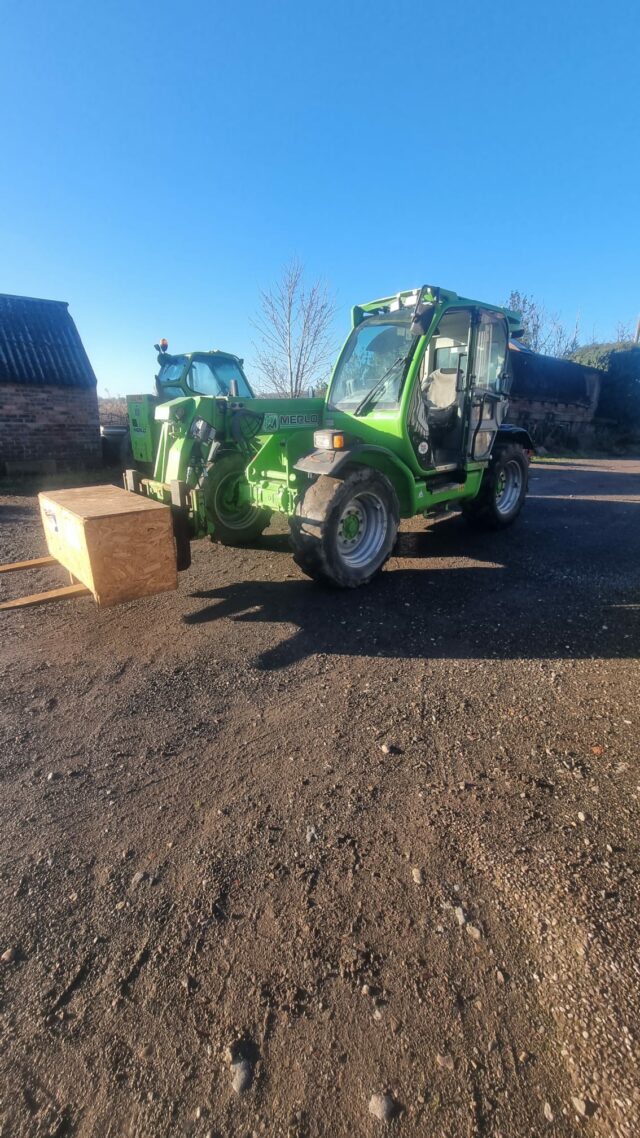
120 545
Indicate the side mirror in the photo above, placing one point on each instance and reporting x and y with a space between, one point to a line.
422 320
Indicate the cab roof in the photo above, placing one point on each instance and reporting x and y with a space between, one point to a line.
190 355
446 298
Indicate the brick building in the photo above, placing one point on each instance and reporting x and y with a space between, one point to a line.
48 400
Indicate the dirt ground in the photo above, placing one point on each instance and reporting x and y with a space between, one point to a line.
327 846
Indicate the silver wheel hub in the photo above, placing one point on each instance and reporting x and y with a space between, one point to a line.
508 487
362 529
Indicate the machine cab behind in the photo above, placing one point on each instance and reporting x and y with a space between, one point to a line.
189 373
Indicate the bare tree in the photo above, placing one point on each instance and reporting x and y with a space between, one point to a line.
561 341
623 333
543 332
296 347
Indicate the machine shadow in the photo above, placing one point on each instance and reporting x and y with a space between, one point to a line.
526 593
12 513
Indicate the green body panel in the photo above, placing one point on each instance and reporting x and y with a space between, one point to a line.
272 481
143 427
274 434
281 433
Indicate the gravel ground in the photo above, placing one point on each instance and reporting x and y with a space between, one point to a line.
281 861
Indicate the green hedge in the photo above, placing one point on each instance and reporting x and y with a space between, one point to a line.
620 392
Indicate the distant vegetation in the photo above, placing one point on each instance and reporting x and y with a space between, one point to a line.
620 392
113 409
543 331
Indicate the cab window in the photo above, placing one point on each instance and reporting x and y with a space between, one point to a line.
170 391
213 376
448 353
490 351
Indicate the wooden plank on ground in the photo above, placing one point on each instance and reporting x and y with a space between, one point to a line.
50 595
34 563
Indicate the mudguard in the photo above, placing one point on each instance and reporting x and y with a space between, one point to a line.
333 462
325 461
509 433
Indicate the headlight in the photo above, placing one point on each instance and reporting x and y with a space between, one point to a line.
329 440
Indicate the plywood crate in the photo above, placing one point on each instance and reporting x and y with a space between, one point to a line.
120 545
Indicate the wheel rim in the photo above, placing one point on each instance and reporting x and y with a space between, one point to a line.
362 529
508 487
225 503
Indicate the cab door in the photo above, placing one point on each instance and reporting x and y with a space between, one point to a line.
489 382
438 410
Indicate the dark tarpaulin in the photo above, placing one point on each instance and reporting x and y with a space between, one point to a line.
40 344
545 378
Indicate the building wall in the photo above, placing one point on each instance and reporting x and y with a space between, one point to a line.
40 423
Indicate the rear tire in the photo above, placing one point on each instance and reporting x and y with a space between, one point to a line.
344 529
503 490
234 523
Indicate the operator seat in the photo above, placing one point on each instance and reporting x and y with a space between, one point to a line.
441 397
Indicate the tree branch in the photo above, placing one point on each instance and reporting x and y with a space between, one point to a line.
294 326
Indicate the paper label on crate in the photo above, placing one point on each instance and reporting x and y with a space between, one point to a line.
51 520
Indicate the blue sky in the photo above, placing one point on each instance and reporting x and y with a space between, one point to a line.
162 160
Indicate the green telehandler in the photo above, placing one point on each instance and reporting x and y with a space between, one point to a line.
413 422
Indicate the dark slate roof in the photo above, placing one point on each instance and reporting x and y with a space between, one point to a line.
39 343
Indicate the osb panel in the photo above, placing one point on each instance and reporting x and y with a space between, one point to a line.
132 555
64 533
119 545
102 501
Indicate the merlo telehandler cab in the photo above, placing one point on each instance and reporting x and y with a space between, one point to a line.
179 376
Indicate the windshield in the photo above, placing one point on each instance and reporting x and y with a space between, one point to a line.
212 376
375 354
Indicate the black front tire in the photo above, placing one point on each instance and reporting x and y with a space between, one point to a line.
234 523
344 529
503 489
